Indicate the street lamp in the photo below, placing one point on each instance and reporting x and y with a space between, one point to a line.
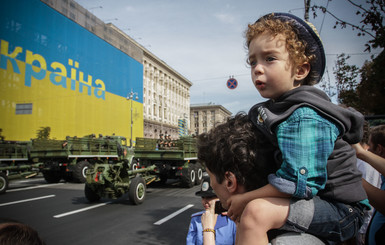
130 97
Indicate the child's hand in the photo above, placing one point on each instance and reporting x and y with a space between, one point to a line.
236 205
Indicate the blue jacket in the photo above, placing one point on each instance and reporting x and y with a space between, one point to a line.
225 230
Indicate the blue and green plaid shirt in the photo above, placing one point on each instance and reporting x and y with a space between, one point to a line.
306 141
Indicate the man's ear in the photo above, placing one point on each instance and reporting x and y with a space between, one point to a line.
231 182
302 71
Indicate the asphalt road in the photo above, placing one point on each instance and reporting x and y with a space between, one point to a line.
62 215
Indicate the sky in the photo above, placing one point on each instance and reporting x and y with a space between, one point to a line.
203 40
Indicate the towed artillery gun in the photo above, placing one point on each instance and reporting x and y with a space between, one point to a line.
147 163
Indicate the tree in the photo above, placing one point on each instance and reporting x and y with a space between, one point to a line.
43 133
372 21
368 94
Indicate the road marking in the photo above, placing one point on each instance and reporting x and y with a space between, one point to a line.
26 200
33 187
173 214
80 210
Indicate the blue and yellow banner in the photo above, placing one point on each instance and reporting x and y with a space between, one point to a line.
70 79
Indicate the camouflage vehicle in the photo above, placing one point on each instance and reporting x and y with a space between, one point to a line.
147 163
113 180
69 159
176 161
15 162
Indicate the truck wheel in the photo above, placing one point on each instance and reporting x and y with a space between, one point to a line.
189 179
3 183
137 191
80 171
199 174
52 176
90 194
134 164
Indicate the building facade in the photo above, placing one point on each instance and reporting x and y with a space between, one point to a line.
206 116
63 68
166 98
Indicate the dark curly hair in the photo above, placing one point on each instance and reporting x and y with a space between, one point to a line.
239 147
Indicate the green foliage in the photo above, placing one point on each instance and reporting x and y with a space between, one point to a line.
43 133
363 89
371 24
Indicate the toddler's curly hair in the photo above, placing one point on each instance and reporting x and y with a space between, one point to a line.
298 50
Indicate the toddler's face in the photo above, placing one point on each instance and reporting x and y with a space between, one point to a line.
271 70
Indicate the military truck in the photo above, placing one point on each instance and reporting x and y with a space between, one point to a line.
152 163
70 158
15 162
176 161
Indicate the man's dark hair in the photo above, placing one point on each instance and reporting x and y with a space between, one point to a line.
237 146
15 233
377 135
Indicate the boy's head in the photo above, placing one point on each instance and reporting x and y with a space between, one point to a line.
377 140
301 41
236 152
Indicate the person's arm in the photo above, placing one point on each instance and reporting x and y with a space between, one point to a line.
238 202
209 219
376 196
374 160
306 141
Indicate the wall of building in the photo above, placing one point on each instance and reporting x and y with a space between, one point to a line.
206 116
55 73
166 98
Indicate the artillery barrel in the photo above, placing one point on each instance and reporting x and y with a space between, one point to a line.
141 170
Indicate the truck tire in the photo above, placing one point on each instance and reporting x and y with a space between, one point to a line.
137 191
189 179
90 194
3 183
134 164
199 174
80 171
52 176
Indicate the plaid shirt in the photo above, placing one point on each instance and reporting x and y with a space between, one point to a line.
306 140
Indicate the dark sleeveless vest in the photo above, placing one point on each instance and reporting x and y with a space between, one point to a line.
344 179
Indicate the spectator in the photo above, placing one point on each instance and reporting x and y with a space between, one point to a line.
15 233
372 176
238 158
206 227
375 156
286 58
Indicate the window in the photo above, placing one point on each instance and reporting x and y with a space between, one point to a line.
24 108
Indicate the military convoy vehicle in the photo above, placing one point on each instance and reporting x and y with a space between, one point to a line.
178 161
70 158
59 159
151 162
15 162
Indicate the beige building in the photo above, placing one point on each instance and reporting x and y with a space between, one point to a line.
166 93
206 116
166 98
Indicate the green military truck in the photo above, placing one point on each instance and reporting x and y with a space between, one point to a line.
15 162
151 162
70 158
178 161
